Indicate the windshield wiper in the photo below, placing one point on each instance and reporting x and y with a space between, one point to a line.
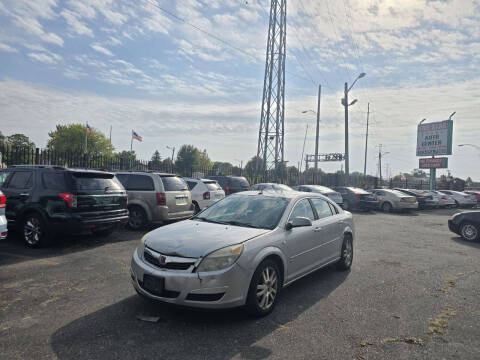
238 223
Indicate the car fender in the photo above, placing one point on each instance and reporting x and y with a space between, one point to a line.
36 208
263 254
143 205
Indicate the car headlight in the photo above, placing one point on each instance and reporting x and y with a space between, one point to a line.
141 246
221 259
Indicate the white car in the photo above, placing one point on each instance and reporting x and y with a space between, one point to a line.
461 198
205 192
445 200
3 219
325 191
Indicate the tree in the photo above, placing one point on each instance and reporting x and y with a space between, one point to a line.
251 166
419 173
71 138
188 158
156 161
469 181
204 162
2 138
20 141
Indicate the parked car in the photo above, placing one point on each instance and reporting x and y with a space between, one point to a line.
389 200
47 200
155 198
231 184
466 224
445 201
474 192
246 248
325 191
3 219
356 198
205 192
436 198
271 187
461 199
424 200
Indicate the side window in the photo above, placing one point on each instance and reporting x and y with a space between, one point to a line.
191 184
322 207
53 181
381 193
342 191
302 209
334 209
21 180
3 176
123 178
140 183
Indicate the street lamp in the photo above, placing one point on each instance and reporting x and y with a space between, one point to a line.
173 153
346 105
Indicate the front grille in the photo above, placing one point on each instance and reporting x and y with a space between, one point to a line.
165 293
169 265
204 297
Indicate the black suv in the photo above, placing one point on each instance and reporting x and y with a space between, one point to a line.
231 184
47 200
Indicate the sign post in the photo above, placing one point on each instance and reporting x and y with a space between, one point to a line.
434 139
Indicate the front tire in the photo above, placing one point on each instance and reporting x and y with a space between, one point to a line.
386 207
469 231
346 259
264 289
137 218
34 231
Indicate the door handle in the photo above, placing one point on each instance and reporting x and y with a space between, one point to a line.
24 194
317 229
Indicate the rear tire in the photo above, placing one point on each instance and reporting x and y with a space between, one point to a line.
34 231
386 207
264 289
469 231
346 259
137 217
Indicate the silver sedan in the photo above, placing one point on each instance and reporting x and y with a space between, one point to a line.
243 250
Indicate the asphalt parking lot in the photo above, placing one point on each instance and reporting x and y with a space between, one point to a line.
412 293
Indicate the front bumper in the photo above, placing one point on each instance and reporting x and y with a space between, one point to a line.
228 288
3 227
452 226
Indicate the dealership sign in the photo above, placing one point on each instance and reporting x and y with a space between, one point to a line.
433 163
435 138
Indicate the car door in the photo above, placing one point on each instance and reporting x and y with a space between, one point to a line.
301 241
18 191
328 231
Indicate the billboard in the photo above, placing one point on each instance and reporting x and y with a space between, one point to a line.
435 138
433 163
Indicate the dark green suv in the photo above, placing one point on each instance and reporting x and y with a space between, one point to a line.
47 200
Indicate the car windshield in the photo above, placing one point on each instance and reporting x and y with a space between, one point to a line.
282 187
212 185
246 210
239 182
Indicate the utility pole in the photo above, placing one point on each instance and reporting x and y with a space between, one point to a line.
316 134
110 137
366 143
303 151
347 160
380 162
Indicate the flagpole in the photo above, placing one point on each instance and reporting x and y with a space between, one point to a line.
86 137
131 143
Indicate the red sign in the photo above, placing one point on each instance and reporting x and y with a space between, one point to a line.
433 163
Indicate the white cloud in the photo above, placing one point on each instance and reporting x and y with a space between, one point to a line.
7 48
35 28
75 24
46 58
99 48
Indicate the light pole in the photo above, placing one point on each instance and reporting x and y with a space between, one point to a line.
346 105
316 131
173 153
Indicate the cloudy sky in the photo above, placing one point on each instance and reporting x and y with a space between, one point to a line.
193 73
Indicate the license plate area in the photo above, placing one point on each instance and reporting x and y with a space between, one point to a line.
154 285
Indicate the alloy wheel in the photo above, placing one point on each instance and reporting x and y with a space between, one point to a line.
32 231
136 218
348 252
267 288
469 232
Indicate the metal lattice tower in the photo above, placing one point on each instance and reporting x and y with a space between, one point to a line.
270 136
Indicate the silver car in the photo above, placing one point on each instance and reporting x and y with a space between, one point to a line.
389 199
444 199
461 199
326 191
3 219
271 187
242 250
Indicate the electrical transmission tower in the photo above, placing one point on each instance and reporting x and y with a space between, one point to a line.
270 136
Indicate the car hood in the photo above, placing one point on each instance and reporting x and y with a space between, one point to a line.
191 238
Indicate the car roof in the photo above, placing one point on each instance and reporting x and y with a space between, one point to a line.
282 194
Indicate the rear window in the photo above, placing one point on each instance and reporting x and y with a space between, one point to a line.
173 183
239 182
191 184
212 186
53 181
140 183
95 182
358 190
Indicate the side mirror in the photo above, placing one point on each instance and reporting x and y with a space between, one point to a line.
298 222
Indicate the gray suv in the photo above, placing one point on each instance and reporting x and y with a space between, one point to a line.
156 198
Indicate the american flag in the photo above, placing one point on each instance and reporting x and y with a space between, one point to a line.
89 129
136 136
